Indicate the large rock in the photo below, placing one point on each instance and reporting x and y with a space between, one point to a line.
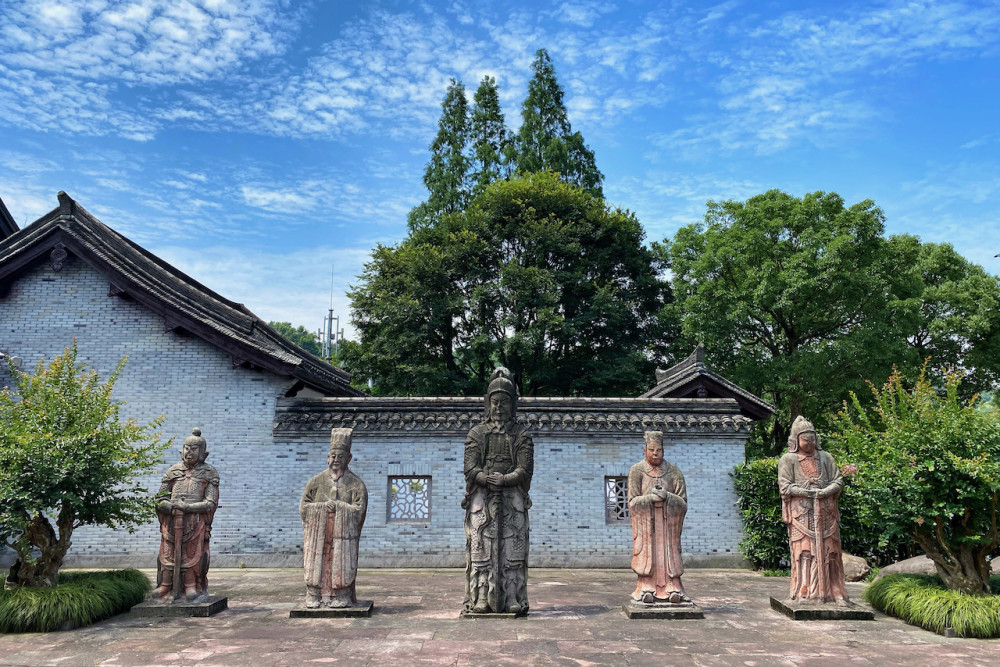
920 565
856 568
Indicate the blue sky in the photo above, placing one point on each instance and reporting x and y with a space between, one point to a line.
256 144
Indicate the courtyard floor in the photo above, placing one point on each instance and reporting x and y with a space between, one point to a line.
576 619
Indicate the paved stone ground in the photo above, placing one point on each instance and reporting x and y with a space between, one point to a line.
576 619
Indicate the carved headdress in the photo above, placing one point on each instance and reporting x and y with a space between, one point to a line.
340 438
196 439
799 426
501 381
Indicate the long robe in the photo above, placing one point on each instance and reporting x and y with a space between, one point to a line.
656 529
330 538
501 558
198 486
798 512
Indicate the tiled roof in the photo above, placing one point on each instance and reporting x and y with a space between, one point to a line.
456 415
693 377
183 302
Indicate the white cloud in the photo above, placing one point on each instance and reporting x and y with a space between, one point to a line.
805 76
140 41
284 287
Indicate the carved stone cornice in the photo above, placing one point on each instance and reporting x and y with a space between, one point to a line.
554 415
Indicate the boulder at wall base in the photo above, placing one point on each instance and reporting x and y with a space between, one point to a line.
920 565
856 568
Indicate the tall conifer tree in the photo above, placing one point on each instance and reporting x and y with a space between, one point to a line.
491 142
546 141
446 175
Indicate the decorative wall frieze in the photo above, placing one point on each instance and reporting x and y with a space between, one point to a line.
562 415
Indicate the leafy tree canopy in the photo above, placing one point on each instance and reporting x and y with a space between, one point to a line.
931 463
535 274
546 141
65 454
797 300
473 146
299 335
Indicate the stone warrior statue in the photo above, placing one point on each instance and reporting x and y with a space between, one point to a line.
333 510
186 503
810 483
499 461
657 502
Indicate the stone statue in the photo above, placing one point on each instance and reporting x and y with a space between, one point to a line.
186 503
657 502
810 483
499 461
333 509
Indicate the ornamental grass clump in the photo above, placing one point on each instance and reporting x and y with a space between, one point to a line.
81 598
926 601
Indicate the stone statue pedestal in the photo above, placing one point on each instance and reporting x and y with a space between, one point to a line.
362 609
210 607
662 610
489 614
820 612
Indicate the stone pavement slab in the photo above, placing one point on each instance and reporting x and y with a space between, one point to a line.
576 619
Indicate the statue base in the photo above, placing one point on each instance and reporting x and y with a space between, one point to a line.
362 609
210 607
491 614
821 612
662 610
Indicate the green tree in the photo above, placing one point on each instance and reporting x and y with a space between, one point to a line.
447 173
931 464
546 141
797 300
491 141
65 454
958 325
535 274
299 335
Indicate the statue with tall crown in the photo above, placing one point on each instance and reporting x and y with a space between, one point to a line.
499 461
185 506
333 508
810 484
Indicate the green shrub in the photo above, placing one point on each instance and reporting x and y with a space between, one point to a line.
929 462
81 598
781 572
925 601
765 541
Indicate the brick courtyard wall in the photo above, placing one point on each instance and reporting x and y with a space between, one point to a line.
578 442
190 381
266 447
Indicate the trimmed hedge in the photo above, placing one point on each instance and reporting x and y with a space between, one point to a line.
765 543
81 598
925 601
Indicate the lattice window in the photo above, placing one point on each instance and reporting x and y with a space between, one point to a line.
616 499
409 499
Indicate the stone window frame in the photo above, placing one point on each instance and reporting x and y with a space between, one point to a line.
616 506
408 479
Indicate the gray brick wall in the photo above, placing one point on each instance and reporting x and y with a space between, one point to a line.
193 384
190 381
568 525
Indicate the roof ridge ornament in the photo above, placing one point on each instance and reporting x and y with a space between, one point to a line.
67 205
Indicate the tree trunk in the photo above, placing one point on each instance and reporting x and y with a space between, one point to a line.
961 568
43 571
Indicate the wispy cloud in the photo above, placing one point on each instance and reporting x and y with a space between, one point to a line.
284 287
805 76
70 66
664 201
